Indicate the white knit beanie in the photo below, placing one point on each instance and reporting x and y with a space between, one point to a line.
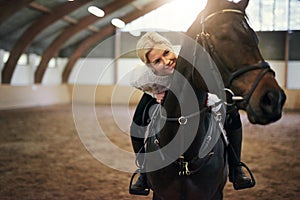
149 41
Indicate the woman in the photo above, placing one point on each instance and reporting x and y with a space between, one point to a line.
158 55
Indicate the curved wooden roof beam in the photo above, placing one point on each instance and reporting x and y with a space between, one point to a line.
53 49
105 32
37 27
9 8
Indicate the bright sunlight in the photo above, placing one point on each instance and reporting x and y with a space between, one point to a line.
177 15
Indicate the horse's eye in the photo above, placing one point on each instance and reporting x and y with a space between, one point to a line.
248 29
222 36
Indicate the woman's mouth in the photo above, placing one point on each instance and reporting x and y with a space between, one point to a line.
172 65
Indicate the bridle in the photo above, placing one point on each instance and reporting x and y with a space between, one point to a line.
208 46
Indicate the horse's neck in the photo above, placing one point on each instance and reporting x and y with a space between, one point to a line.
188 87
185 98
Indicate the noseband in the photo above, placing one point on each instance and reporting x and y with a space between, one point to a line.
207 44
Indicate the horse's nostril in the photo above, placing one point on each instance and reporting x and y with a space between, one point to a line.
268 98
273 101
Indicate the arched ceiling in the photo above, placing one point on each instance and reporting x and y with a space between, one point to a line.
60 28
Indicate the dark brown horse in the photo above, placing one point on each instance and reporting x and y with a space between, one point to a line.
175 169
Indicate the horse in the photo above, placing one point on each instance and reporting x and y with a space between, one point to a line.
176 170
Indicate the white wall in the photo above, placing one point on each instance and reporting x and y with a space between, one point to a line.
102 71
279 68
53 75
1 61
23 75
90 71
293 75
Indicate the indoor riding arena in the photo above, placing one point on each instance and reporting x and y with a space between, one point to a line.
67 102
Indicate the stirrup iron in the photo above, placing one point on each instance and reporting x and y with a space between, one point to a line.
137 192
248 184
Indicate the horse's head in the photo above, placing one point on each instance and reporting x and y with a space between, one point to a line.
223 30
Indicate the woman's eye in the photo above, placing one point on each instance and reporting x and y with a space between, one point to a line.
166 52
157 61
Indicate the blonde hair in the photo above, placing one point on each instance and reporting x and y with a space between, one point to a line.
150 41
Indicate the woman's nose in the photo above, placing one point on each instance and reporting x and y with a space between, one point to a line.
165 60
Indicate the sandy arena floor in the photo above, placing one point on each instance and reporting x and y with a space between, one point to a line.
43 157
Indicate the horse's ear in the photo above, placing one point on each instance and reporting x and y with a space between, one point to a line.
243 4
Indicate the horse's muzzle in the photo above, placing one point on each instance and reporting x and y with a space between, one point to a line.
270 108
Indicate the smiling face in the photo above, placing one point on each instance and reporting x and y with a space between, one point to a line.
163 61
